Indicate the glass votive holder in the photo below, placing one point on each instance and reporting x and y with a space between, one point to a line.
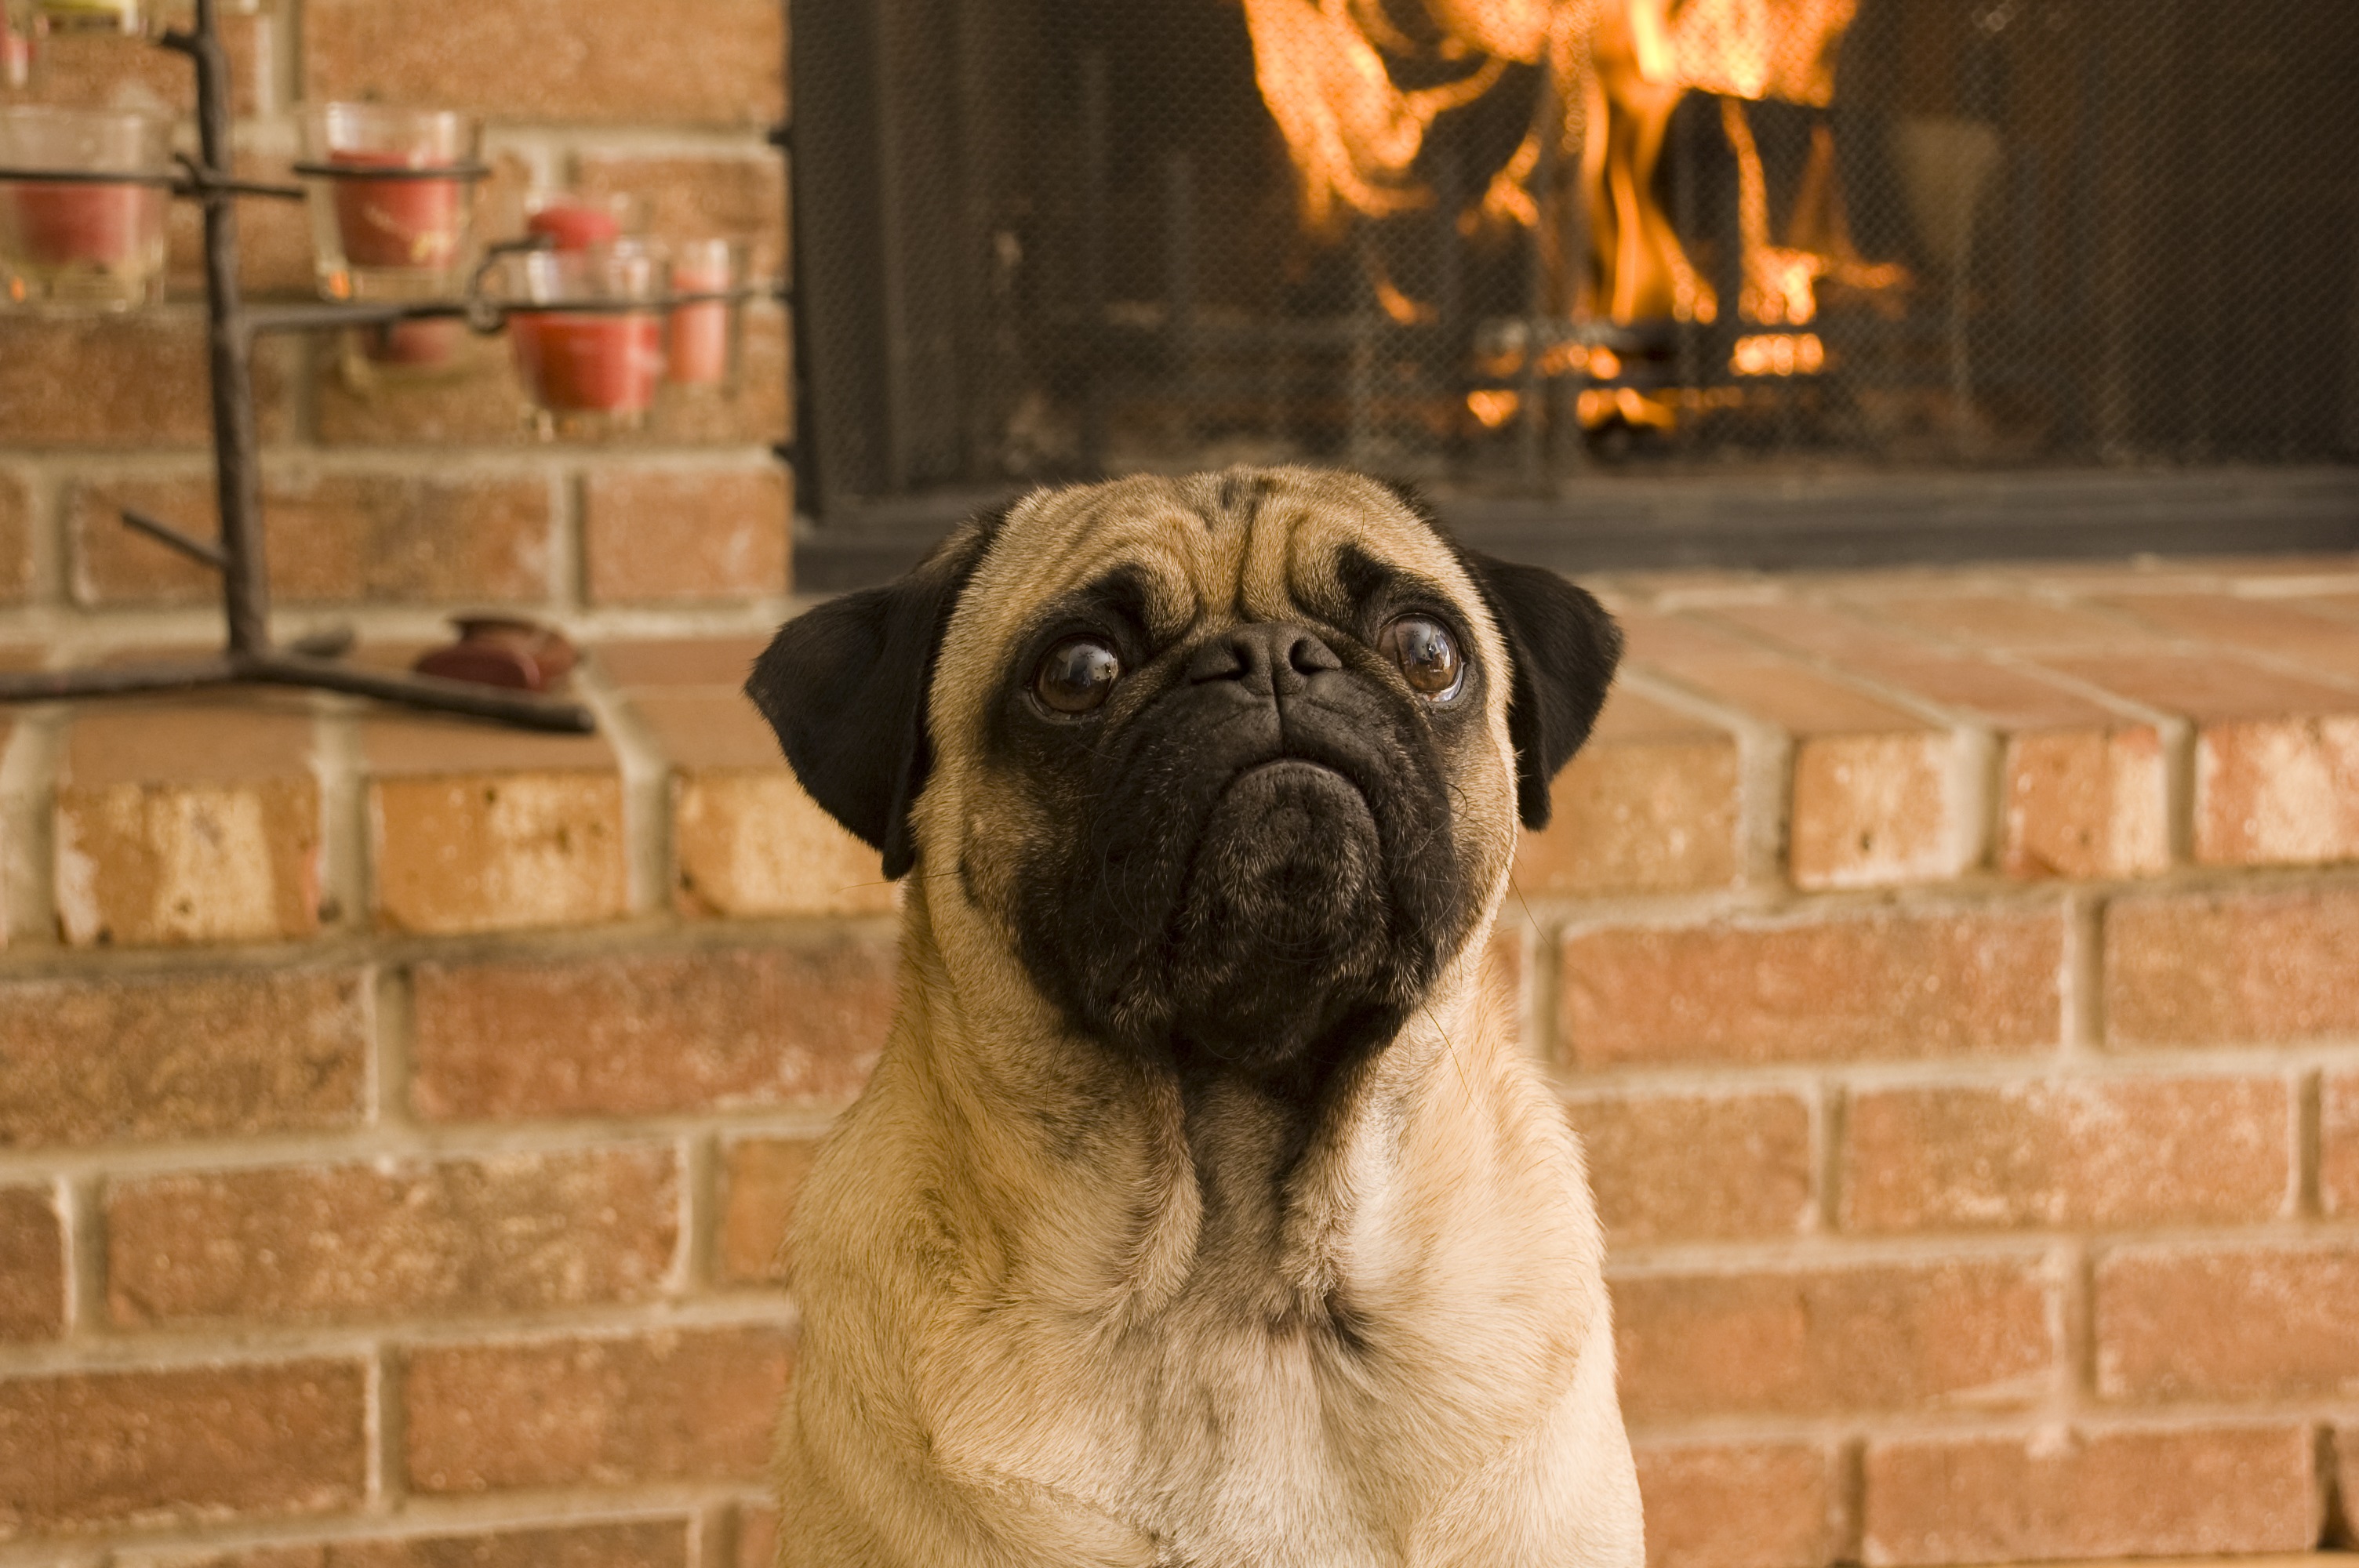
586 328
84 228
391 198
577 219
702 350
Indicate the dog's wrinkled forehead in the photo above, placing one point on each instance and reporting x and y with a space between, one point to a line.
1211 549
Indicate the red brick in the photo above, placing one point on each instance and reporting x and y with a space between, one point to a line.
1893 985
83 70
87 1450
346 1243
481 404
747 839
1754 1178
721 663
2013 622
635 1543
621 1035
688 1404
1650 805
481 830
734 198
2278 792
2068 1153
2175 1323
757 1538
2084 790
655 535
1872 799
15 539
2084 803
2276 757
180 1057
32 1265
193 822
2003 698
2337 1155
130 381
2183 1492
1729 1505
2275 627
2225 970
1975 1334
332 538
760 1181
604 61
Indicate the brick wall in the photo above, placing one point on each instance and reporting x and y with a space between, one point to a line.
1951 973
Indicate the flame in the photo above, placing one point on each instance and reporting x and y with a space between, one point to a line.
1778 353
1761 49
1351 133
1602 404
1614 71
1492 409
1405 311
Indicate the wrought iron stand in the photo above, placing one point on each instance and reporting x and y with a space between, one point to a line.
250 655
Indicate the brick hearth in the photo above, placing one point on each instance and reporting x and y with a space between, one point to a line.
1951 973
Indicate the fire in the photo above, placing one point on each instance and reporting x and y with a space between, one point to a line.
1351 133
1491 409
1615 70
1778 353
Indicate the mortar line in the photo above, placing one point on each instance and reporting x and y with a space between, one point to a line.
699 1214
2308 1143
29 772
254 1343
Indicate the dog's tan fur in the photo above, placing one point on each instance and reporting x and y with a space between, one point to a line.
1048 1320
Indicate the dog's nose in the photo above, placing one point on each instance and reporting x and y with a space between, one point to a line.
1269 657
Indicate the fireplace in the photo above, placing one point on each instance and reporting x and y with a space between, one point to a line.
1522 251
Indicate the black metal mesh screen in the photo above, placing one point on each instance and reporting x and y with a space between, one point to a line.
1494 242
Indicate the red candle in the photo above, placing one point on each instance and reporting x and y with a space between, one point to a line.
700 333
397 223
574 226
61 223
589 362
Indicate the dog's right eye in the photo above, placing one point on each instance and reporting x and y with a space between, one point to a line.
1077 674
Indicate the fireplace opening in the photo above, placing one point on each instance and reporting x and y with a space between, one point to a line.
1514 248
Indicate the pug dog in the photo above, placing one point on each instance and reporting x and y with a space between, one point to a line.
1202 1211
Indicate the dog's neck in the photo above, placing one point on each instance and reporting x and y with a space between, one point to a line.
1204 1183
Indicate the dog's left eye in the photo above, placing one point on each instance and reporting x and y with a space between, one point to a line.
1421 647
1077 674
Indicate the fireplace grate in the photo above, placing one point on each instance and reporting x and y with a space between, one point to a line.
1496 244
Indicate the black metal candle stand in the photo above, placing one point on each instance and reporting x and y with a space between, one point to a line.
250 657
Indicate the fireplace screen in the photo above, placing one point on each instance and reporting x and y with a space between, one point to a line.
1492 243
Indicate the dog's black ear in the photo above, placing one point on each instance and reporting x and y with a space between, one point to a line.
844 685
1564 647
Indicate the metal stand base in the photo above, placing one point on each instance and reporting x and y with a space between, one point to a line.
231 328
277 669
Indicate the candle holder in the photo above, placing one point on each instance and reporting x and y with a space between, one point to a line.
391 193
576 220
249 655
81 210
587 328
702 354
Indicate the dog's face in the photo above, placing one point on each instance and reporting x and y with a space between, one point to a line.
1232 765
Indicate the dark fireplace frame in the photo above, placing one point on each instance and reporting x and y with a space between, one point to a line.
888 95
